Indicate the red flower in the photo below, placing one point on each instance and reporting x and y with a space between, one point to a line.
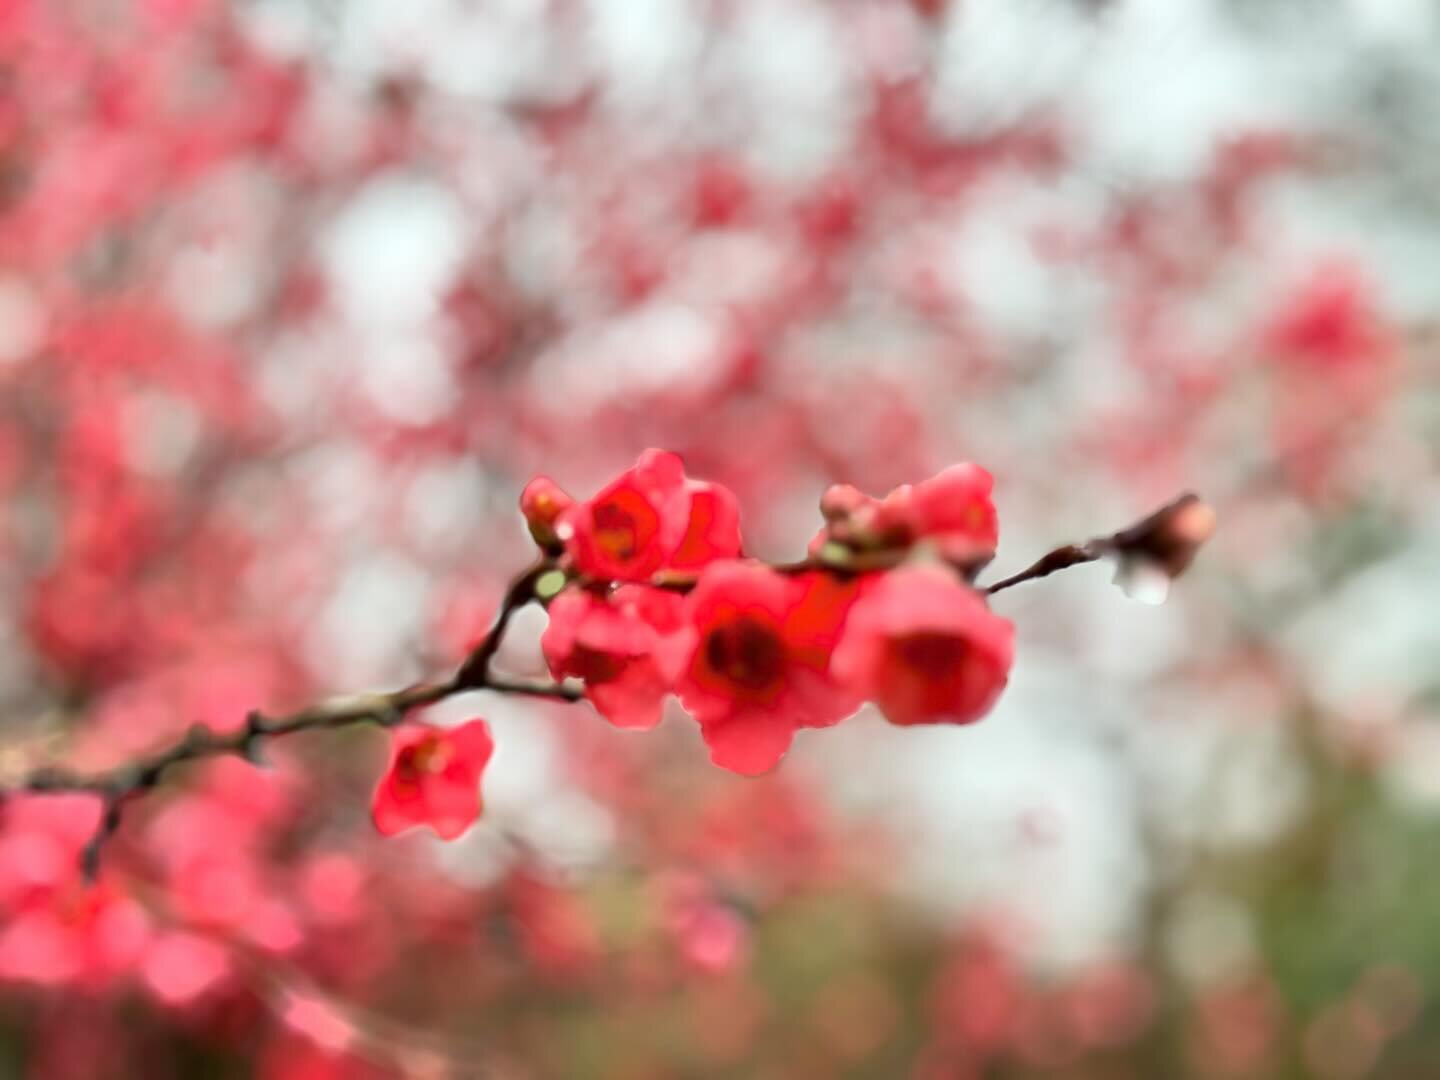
925 648
610 643
629 530
952 510
712 529
433 779
650 519
754 665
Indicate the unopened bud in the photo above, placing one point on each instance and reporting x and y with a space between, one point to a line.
840 501
1193 523
1166 542
542 502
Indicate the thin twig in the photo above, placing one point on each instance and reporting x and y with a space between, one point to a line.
1062 558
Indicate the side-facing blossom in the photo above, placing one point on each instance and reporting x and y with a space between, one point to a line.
753 665
650 519
712 528
952 511
610 643
924 647
433 779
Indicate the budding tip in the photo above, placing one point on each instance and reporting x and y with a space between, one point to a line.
1195 522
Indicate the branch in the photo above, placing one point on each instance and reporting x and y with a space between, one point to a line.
1062 558
1168 538
117 787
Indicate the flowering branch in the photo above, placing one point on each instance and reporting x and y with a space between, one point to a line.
648 595
119 786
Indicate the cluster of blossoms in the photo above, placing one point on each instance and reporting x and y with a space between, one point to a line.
650 594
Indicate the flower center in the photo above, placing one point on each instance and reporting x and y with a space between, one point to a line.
615 531
746 652
929 653
597 667
426 758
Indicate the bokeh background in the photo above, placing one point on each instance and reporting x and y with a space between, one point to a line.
294 298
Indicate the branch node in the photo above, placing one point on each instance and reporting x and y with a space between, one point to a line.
388 715
251 743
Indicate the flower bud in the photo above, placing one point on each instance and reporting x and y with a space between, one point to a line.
1155 551
542 502
1170 537
840 501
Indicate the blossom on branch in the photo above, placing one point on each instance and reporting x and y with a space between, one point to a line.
754 666
433 779
610 642
952 512
628 530
650 519
712 529
925 648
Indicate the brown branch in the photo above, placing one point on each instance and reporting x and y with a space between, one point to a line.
1062 558
119 786
475 672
